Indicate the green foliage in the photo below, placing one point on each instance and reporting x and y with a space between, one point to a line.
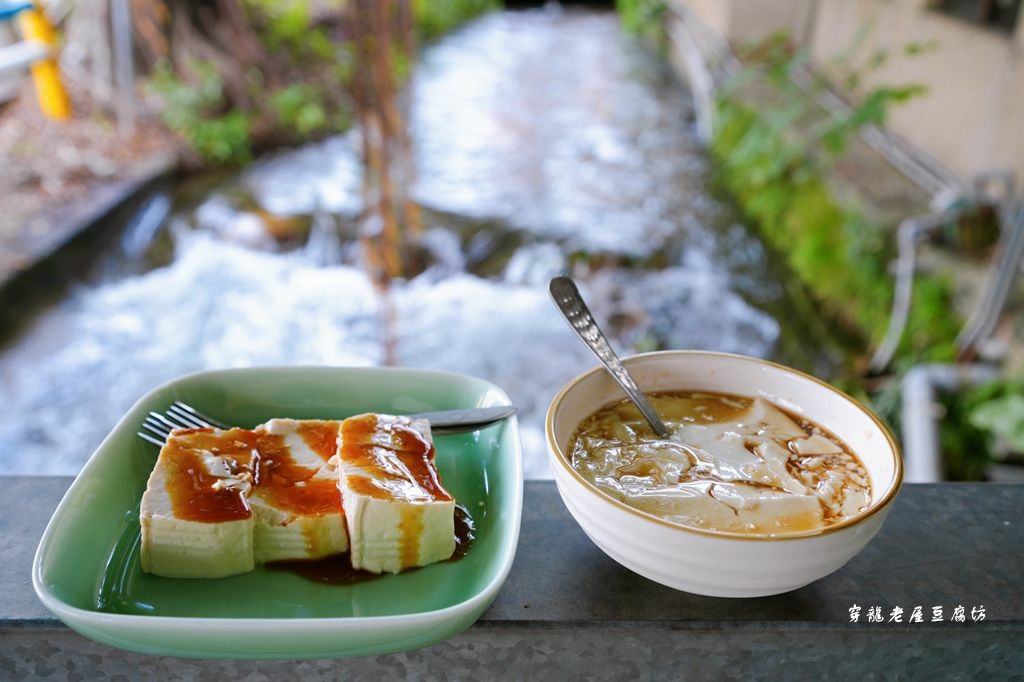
995 408
222 140
775 149
300 107
222 135
979 423
1003 418
642 17
872 110
775 155
436 17
931 325
286 22
287 27
200 115
964 448
316 67
917 49
224 132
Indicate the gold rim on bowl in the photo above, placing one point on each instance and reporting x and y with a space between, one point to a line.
549 429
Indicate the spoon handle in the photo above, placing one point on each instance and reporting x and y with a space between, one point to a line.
567 298
460 421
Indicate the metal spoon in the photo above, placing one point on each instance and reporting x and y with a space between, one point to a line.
567 298
460 421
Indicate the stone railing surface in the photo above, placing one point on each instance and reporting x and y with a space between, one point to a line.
568 610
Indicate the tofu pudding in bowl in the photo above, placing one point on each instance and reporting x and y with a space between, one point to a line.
731 464
769 479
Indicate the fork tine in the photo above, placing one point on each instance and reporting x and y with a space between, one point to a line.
158 418
178 416
160 424
176 413
158 429
158 421
150 439
209 421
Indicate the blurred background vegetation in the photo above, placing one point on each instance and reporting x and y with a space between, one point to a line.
777 152
234 79
291 81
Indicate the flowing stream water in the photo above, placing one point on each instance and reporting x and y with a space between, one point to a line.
545 142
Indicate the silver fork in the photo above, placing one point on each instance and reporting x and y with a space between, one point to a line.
183 416
178 416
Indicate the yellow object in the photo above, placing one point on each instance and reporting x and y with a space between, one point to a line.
53 98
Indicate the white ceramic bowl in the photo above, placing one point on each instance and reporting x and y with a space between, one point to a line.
715 563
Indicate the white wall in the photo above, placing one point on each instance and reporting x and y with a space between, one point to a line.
971 119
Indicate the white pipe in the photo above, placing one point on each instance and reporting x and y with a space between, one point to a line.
910 231
700 80
706 61
124 67
922 458
998 283
19 56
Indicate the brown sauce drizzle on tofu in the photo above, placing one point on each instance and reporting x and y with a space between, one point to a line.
320 436
397 461
289 486
195 493
396 455
264 459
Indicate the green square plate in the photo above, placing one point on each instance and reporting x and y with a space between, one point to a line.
86 569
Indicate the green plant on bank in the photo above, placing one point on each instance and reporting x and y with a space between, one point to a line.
288 25
300 108
775 149
435 18
220 134
198 112
643 18
980 424
318 67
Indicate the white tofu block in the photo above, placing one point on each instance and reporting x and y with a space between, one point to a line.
196 522
297 505
398 514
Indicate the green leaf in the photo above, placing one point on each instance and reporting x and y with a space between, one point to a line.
915 49
877 60
1003 417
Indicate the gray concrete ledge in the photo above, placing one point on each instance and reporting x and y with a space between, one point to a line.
62 223
568 609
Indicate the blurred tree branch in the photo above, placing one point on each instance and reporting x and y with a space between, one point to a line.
384 36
